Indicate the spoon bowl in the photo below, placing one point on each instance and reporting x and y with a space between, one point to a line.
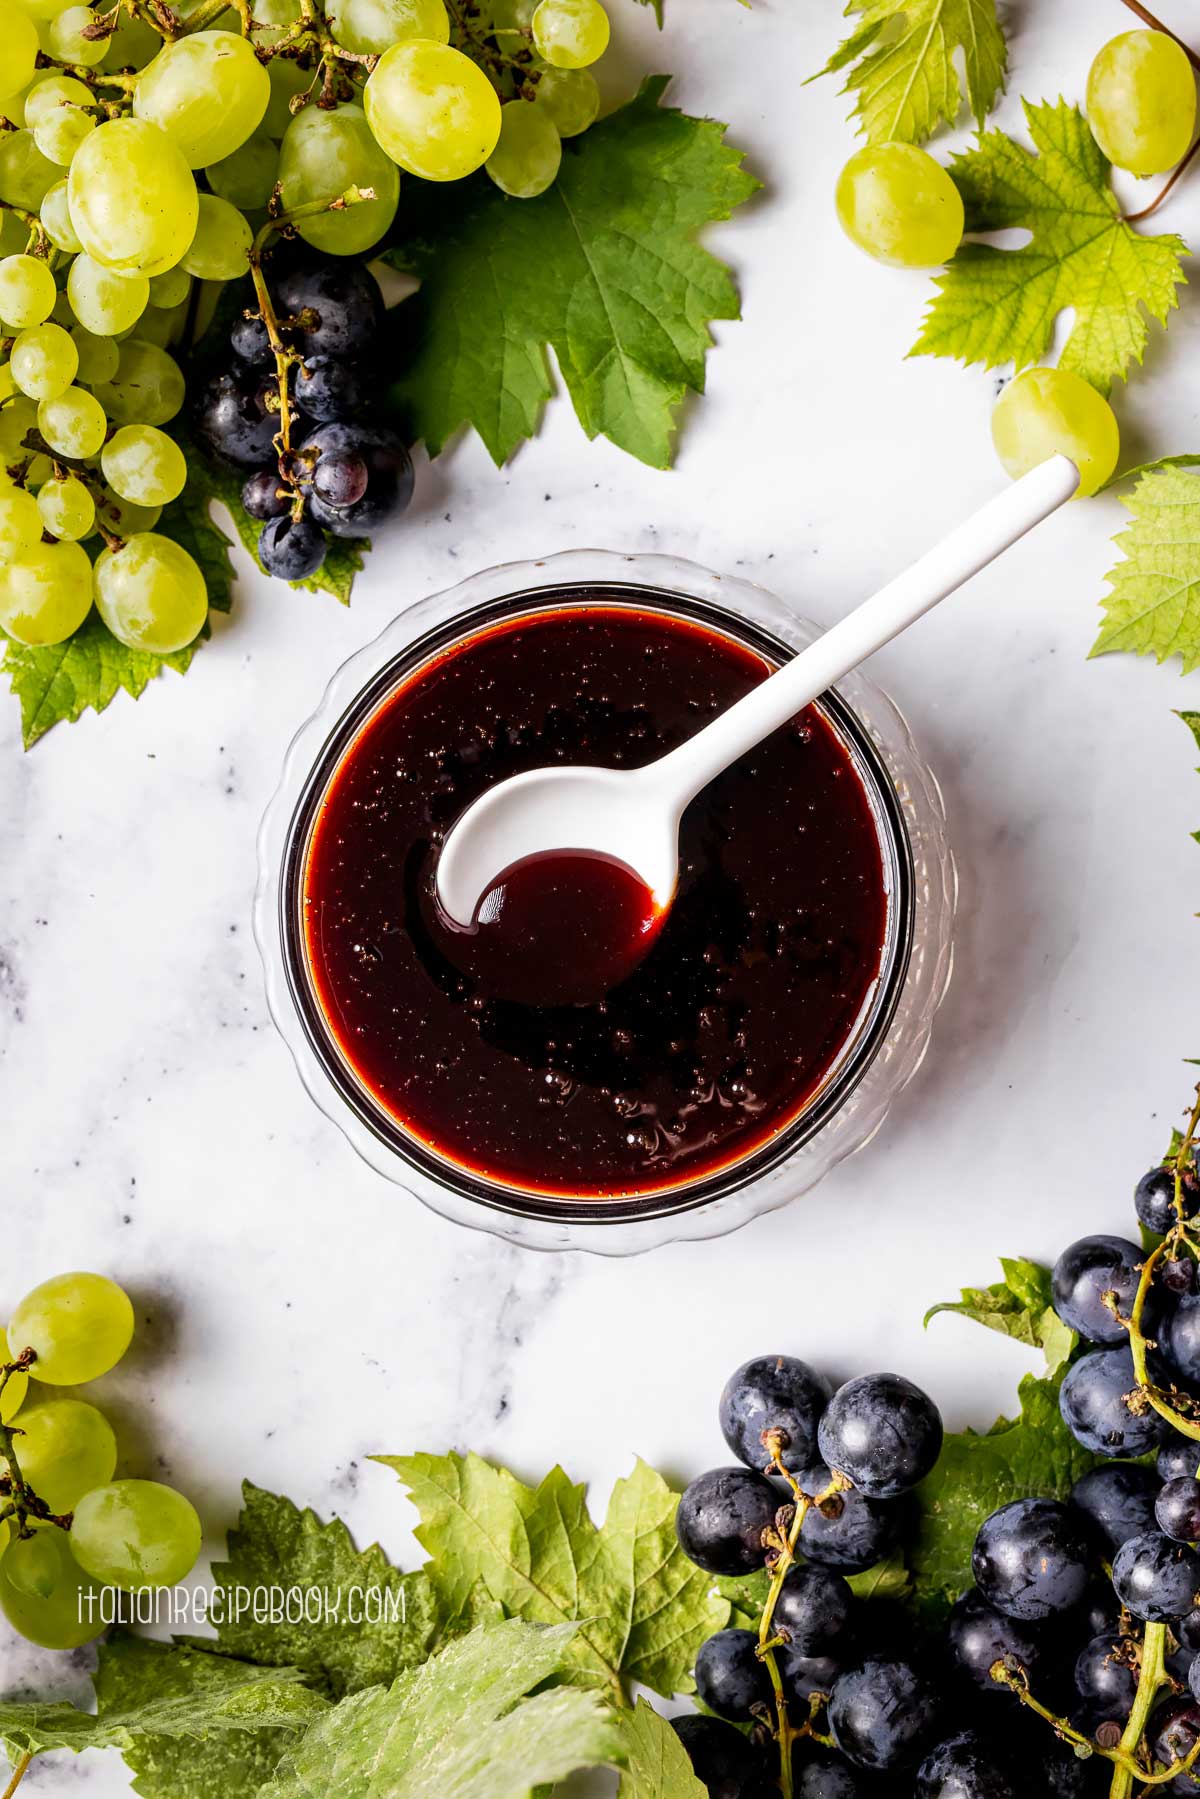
595 812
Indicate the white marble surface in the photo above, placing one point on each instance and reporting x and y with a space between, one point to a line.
297 1312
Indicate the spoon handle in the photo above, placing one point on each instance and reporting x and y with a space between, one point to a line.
969 548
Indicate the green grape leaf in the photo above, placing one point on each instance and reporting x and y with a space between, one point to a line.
656 1762
995 306
658 9
643 1609
1033 1455
901 57
209 481
165 1765
889 1579
1151 468
61 681
153 1690
603 267
1153 606
461 1726
1019 1306
355 1620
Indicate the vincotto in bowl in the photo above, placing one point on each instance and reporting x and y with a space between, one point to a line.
888 1039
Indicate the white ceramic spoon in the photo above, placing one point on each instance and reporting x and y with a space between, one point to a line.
632 815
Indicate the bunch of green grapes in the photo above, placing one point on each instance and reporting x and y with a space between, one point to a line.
139 159
70 1528
901 206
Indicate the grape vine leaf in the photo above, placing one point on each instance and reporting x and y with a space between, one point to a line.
145 1694
643 1609
901 57
364 1623
208 481
235 1762
603 267
61 681
1020 1306
656 1762
1033 1455
461 1726
1153 606
995 306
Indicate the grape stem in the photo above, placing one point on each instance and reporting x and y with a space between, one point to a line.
486 49
39 240
24 1503
782 1560
18 1774
285 356
1178 1236
1126 1767
1132 218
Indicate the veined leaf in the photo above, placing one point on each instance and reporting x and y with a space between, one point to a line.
901 57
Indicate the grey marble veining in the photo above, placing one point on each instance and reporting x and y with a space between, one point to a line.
296 1313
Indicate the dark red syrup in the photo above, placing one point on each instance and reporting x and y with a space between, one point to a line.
558 930
723 1029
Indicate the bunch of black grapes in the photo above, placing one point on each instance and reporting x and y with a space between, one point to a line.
1063 1591
348 472
903 1713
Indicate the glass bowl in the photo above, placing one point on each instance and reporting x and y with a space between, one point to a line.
886 1045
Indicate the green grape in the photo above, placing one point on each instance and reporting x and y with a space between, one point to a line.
73 423
132 44
67 508
276 14
373 26
1141 102
98 356
144 465
570 34
163 326
17 419
59 113
55 215
136 1533
32 1564
208 92
27 291
288 81
169 289
151 594
220 250
148 388
41 10
45 594
1047 412
20 522
105 303
246 178
44 360
569 98
123 518
14 234
323 154
434 111
26 176
78 1325
66 1449
526 159
64 1620
15 1388
18 34
133 199
67 42
900 206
